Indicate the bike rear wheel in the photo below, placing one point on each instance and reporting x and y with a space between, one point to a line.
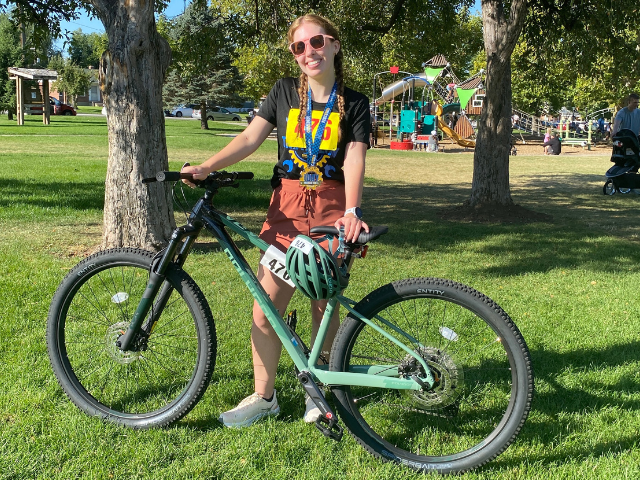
157 384
484 379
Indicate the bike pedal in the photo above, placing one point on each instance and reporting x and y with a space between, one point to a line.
333 430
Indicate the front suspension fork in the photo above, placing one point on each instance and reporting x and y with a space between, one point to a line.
158 291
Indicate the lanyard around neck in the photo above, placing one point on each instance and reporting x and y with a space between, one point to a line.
313 144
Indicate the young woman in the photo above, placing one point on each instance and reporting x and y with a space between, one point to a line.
317 181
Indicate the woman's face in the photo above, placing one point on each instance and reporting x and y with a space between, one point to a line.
317 64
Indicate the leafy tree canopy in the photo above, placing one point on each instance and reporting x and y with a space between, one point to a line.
45 16
72 79
374 36
202 52
577 54
10 56
85 50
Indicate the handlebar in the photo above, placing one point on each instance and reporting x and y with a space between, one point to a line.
213 176
364 237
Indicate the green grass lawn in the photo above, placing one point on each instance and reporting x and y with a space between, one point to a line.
570 285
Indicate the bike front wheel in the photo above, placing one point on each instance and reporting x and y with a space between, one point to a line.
484 380
153 385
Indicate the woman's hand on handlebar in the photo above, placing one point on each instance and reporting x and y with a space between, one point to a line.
198 172
352 226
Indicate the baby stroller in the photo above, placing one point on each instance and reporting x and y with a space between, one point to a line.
623 176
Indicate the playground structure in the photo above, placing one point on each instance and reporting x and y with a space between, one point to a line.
429 101
437 100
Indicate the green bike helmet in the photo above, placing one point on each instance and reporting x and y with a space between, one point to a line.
313 270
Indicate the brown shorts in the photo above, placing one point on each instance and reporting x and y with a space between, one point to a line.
295 210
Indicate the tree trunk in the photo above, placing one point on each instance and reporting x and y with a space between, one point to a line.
204 122
132 72
491 158
490 184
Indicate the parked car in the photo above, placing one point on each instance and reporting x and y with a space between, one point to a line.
184 110
60 108
218 113
56 108
381 121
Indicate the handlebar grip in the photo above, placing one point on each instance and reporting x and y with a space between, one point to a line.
374 232
176 176
173 176
364 237
244 175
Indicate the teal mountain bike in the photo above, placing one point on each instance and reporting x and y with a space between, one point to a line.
425 372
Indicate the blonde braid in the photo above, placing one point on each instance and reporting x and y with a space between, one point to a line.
302 94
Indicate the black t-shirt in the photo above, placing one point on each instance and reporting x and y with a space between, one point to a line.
555 147
281 108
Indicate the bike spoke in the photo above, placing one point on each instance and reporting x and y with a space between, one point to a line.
462 350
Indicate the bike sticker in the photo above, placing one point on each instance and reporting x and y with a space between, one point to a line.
301 244
275 261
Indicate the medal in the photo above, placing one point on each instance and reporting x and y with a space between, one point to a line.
311 176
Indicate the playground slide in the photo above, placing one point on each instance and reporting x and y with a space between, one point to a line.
452 134
396 88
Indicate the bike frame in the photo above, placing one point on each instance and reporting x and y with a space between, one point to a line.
205 215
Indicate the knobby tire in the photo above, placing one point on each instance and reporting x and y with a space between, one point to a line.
484 377
152 387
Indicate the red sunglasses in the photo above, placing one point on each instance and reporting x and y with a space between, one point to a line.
316 42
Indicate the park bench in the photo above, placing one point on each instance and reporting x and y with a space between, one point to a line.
575 142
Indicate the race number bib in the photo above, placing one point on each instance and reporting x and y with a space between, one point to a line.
302 244
275 261
295 136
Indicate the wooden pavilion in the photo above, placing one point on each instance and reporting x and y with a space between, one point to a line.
21 74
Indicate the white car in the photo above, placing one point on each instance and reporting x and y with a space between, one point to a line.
218 113
184 110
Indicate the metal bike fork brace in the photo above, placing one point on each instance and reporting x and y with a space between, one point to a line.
157 284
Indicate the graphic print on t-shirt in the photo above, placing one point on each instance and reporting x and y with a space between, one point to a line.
294 141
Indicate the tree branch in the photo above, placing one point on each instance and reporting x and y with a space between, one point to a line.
394 16
257 17
517 15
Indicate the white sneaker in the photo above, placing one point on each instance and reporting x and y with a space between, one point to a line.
312 412
252 408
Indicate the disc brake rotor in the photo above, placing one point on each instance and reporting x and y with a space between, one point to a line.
114 332
448 375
